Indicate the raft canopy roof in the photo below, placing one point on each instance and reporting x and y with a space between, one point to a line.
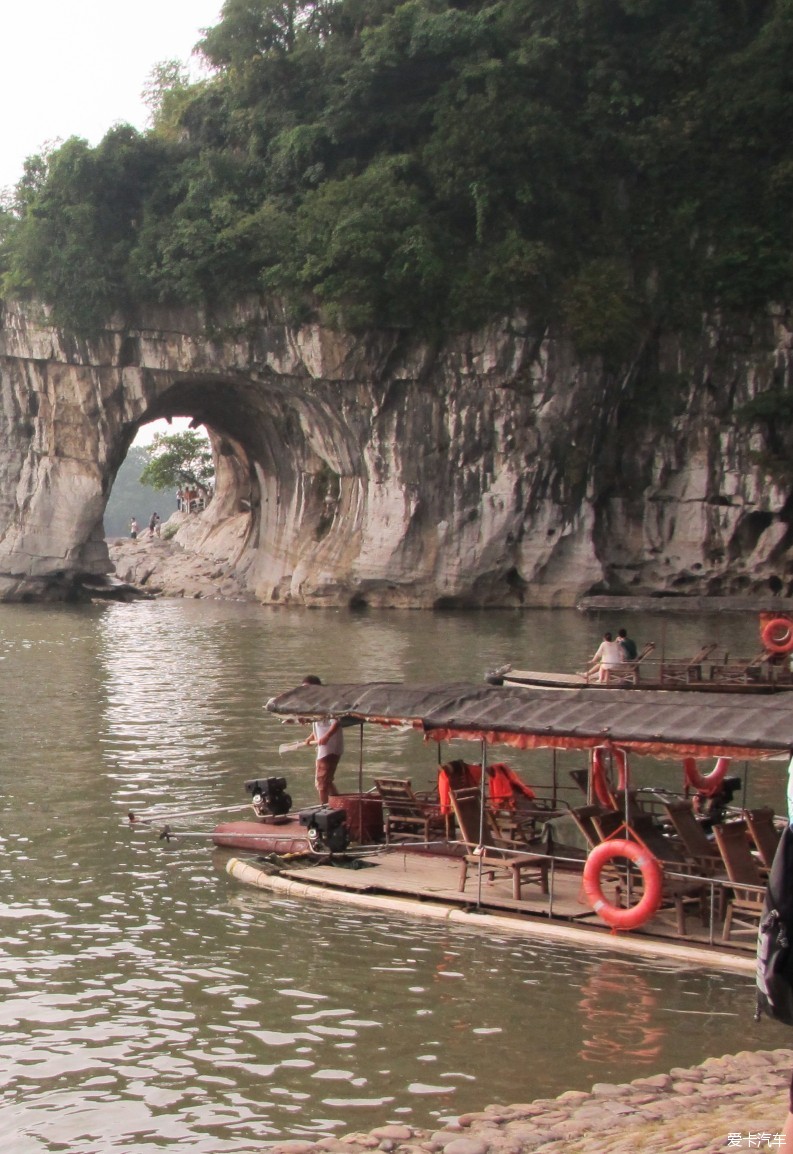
660 724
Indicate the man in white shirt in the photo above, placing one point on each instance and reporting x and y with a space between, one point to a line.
328 736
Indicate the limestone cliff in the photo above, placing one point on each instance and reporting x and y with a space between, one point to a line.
492 470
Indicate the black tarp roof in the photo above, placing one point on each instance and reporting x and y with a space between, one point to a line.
653 722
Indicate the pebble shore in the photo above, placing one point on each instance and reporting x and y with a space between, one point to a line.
738 1102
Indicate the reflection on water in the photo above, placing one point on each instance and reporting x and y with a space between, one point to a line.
619 1014
149 1000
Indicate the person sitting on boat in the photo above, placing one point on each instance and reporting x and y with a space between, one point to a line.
608 654
328 736
627 646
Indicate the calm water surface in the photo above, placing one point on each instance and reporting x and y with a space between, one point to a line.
150 1001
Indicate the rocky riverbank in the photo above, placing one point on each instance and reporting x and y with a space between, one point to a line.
163 567
159 566
738 1102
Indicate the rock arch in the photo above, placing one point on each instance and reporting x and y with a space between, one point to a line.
372 471
360 475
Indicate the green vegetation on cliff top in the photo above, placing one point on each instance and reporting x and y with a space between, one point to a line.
611 165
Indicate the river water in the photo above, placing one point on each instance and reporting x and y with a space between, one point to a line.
149 1001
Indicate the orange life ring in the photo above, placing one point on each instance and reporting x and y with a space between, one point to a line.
709 783
600 787
621 758
652 881
777 635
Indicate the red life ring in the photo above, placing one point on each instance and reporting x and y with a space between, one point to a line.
621 758
652 882
600 787
777 635
710 782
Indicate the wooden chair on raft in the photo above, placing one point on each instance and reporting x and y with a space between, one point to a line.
584 817
407 816
625 673
740 672
702 855
515 811
581 778
455 775
641 804
764 832
686 672
747 883
486 853
640 826
518 827
701 852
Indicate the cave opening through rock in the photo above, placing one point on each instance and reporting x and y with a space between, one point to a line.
129 498
282 458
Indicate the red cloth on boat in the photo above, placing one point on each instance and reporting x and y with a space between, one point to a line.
503 784
456 775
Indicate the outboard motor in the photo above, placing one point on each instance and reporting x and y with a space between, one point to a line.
327 828
269 796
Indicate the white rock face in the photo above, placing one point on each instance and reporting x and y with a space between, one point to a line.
493 471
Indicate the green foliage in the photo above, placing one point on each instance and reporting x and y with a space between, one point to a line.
610 165
367 249
603 310
204 238
77 225
177 459
166 93
250 30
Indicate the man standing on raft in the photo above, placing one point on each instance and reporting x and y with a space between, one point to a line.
328 737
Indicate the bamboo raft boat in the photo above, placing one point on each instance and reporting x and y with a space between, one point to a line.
529 864
710 670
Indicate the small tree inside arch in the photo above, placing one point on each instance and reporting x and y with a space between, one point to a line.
179 460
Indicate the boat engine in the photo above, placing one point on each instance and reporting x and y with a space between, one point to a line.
327 828
268 795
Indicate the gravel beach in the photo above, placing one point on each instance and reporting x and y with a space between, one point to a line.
738 1102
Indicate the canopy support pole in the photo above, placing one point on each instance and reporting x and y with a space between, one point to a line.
360 762
482 795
